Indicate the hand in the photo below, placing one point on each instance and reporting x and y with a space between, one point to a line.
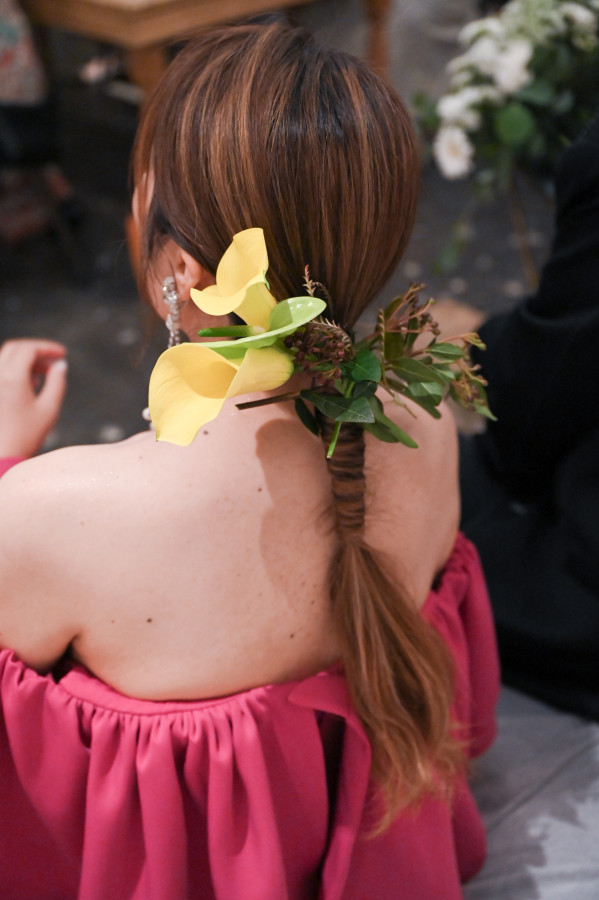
33 377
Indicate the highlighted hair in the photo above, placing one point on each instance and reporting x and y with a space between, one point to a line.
259 125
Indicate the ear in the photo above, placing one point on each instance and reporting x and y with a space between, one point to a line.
187 271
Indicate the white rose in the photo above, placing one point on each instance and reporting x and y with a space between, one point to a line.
459 108
482 55
579 15
453 151
511 72
490 25
455 109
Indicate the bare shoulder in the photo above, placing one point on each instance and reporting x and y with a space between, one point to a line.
33 619
415 505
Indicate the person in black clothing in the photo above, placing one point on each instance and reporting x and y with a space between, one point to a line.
530 483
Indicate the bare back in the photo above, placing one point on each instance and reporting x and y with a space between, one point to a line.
200 571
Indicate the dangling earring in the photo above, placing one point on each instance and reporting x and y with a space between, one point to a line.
173 320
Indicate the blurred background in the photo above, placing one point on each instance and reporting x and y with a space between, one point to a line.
65 270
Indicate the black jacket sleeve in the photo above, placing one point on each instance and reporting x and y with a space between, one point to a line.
542 358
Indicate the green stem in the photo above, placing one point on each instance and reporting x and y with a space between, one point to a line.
346 393
231 331
334 438
280 398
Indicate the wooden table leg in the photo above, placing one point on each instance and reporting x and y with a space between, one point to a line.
377 13
146 65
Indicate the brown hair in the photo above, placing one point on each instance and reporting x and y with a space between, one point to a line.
260 126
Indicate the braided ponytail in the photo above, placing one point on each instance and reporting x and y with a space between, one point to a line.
262 126
398 669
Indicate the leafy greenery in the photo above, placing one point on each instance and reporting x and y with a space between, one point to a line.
521 91
398 357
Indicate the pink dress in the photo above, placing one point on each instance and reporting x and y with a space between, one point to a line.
263 795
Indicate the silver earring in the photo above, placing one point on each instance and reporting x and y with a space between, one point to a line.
173 320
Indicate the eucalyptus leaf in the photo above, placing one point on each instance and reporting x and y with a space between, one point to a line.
341 409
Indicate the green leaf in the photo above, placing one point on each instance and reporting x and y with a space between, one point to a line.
538 93
514 124
445 375
563 103
483 410
537 147
445 351
365 389
427 389
365 367
295 311
306 416
412 370
387 426
428 396
376 406
285 318
381 432
394 345
341 409
481 405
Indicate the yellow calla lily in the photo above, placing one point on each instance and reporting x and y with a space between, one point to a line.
241 285
191 382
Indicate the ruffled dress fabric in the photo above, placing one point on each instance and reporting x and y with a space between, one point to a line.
263 795
7 462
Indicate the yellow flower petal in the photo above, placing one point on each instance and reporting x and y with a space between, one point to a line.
240 281
188 387
244 260
190 383
261 370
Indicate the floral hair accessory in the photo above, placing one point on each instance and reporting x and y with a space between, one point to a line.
191 382
241 286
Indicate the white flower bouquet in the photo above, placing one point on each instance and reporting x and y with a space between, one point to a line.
526 83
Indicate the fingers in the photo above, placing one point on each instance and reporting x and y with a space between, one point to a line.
32 347
28 356
50 397
32 385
